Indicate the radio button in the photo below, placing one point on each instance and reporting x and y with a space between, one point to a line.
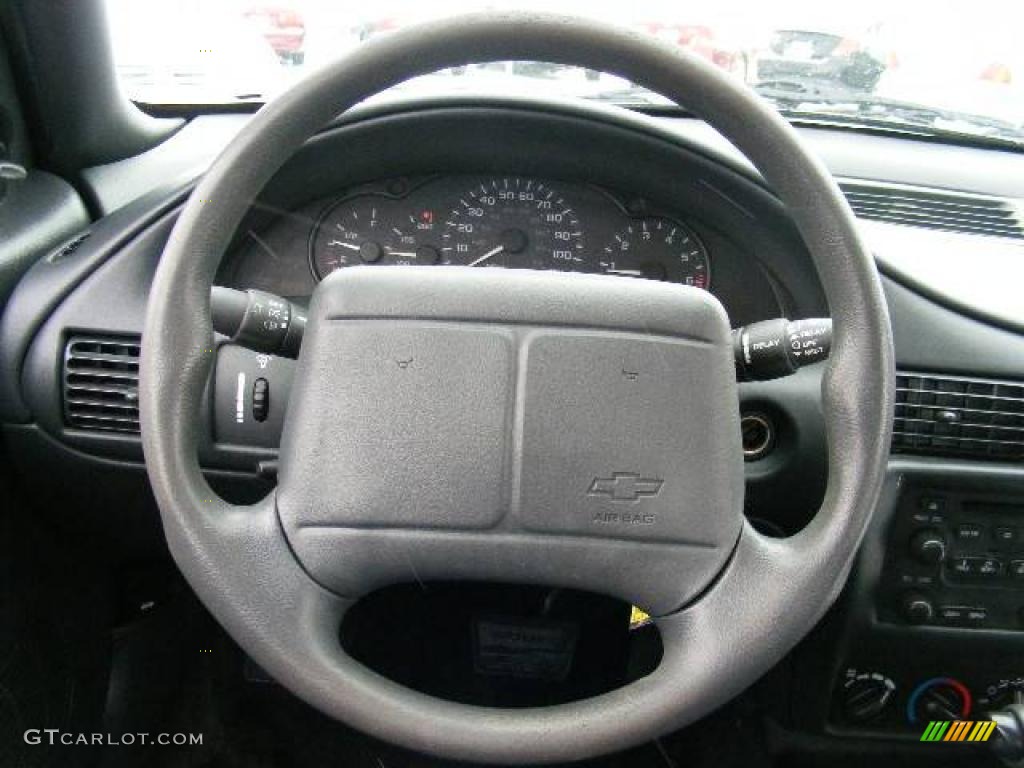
917 609
963 614
985 567
962 566
988 566
969 532
1004 534
976 615
952 613
928 546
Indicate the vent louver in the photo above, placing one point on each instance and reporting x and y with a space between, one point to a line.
934 209
101 383
955 416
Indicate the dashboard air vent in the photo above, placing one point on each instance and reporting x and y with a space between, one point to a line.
955 416
934 209
101 383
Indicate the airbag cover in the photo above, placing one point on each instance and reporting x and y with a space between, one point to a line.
572 430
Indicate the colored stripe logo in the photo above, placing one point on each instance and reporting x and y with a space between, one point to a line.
958 730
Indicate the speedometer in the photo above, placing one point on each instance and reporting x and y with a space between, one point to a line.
514 222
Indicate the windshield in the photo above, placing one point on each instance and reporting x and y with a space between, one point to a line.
908 65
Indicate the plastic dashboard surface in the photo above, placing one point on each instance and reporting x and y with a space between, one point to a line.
612 169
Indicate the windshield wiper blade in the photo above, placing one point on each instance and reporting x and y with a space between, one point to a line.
813 101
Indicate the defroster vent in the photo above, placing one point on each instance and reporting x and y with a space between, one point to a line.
957 416
951 211
101 383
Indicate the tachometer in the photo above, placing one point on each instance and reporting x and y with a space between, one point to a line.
372 230
657 249
513 222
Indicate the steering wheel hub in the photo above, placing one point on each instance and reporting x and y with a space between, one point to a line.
533 427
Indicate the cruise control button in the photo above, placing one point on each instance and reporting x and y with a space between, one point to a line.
1017 569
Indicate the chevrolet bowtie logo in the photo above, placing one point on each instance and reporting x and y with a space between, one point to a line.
625 486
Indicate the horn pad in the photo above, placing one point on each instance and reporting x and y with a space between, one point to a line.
571 430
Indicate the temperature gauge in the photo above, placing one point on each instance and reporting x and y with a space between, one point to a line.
371 230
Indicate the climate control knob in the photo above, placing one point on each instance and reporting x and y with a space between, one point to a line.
865 696
940 698
928 546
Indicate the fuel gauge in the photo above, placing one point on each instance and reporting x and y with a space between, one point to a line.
371 230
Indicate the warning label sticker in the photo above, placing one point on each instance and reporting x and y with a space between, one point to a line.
527 648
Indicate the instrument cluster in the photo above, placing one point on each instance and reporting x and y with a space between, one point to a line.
511 222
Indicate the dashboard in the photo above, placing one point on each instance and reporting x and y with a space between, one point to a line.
498 185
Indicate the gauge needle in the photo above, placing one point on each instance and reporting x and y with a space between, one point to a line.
350 246
486 256
629 272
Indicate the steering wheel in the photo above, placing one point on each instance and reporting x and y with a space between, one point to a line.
572 430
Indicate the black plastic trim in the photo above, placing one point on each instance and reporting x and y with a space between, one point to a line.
48 282
78 114
932 337
963 308
37 214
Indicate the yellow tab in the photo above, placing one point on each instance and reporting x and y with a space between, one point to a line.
638 618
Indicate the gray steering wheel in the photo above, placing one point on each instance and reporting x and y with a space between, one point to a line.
453 424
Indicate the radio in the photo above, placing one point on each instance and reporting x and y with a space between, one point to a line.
954 560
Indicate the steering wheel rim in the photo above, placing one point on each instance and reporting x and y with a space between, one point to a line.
768 595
